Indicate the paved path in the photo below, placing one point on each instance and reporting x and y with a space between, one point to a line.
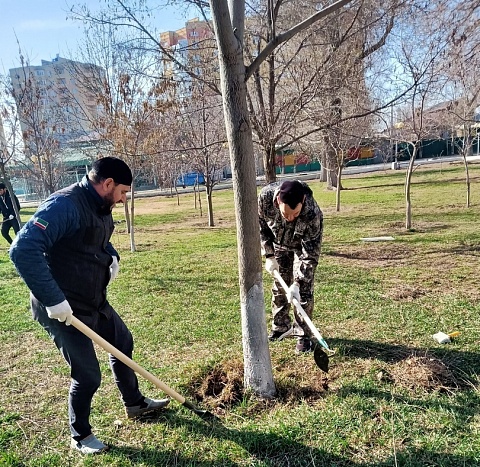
228 184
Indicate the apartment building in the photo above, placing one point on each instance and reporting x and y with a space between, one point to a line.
190 46
57 97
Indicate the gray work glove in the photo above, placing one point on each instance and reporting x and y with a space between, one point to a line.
10 217
114 268
293 292
271 264
62 311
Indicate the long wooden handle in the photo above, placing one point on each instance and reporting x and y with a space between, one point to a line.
123 358
301 311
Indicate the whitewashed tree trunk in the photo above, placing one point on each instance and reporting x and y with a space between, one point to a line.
467 179
228 21
132 221
408 183
339 189
127 216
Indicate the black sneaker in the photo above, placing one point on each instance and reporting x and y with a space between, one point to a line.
279 335
304 344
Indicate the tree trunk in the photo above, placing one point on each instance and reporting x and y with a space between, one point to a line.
467 178
339 187
323 168
200 201
269 164
127 216
209 190
408 181
132 222
178 196
258 374
331 166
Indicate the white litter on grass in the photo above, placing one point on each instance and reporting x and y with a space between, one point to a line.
442 338
377 239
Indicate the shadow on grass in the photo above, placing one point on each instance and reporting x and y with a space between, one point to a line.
464 365
269 449
468 362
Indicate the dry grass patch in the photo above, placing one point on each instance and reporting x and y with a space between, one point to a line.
424 372
436 270
374 254
297 379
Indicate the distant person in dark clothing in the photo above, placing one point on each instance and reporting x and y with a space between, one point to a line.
9 217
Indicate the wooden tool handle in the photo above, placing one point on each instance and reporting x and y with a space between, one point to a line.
123 358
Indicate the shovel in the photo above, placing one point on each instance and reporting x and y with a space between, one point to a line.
205 414
320 356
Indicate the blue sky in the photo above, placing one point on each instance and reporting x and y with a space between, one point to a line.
43 30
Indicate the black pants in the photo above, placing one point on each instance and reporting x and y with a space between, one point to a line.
6 226
79 352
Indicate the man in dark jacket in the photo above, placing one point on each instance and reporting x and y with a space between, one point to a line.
291 228
65 257
9 217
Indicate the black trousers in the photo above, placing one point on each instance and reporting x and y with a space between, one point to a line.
7 225
79 352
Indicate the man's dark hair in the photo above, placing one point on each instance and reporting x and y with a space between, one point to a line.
2 186
111 167
291 193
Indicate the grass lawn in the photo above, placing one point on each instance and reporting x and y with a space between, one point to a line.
393 395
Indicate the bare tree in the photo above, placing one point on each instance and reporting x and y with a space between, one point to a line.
203 138
346 140
131 122
42 123
297 90
10 142
462 91
421 69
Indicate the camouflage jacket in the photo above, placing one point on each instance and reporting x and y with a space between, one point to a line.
303 235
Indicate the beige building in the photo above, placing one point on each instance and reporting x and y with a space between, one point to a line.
56 97
194 31
184 44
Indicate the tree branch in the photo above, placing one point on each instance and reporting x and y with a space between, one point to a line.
281 38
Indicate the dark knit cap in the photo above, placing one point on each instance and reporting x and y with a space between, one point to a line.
291 193
2 186
112 167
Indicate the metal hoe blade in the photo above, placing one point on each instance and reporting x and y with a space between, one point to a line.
204 414
321 358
